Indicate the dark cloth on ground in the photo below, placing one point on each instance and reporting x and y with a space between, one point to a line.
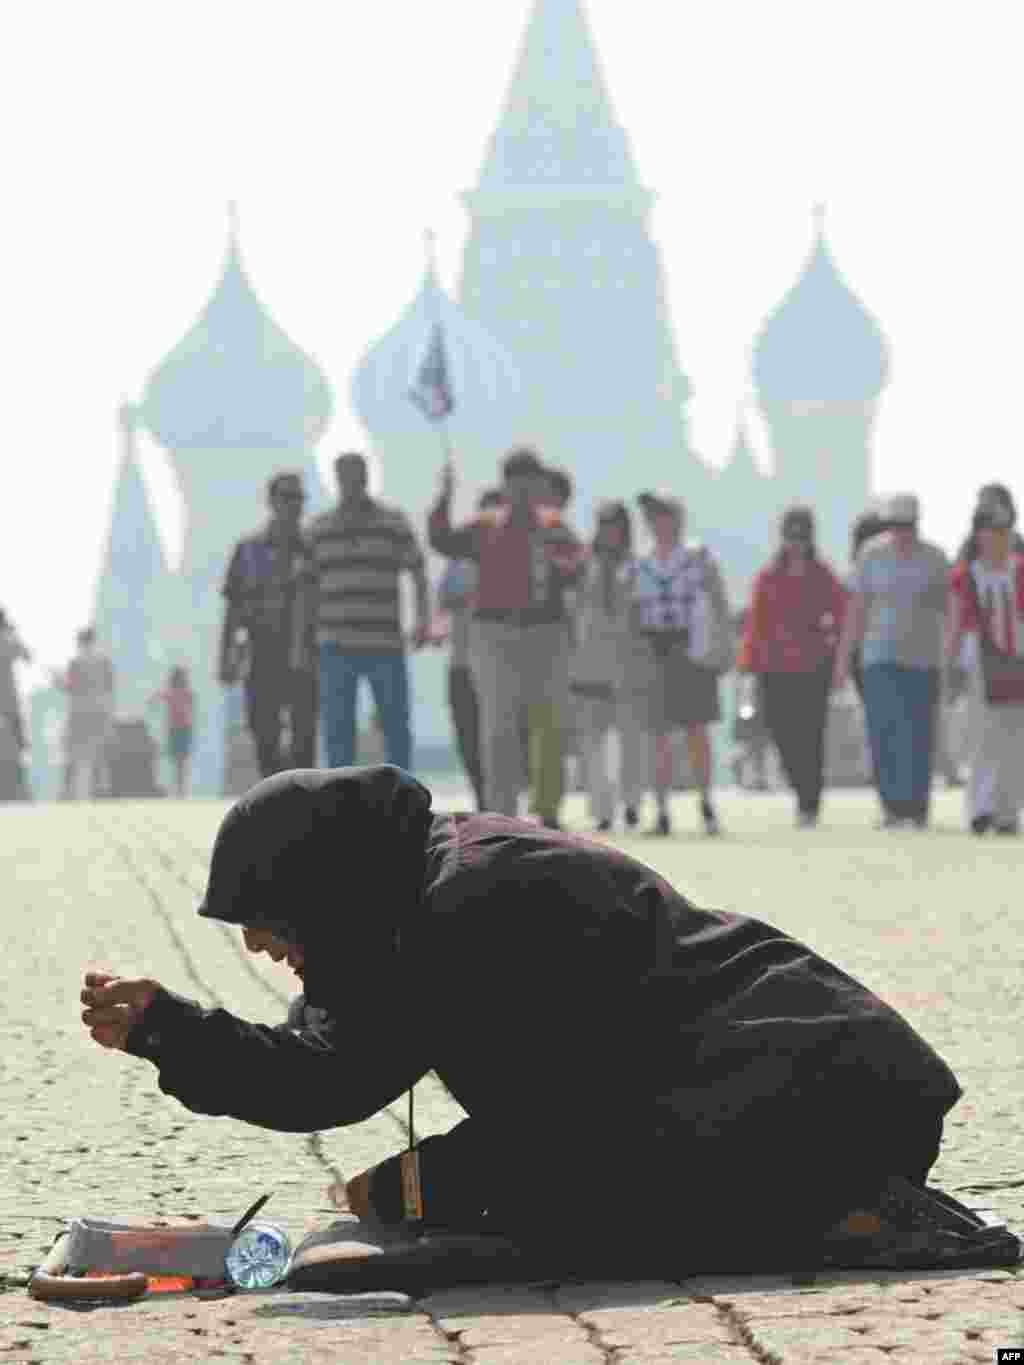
624 1057
796 714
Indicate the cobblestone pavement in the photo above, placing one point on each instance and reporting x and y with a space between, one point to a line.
930 921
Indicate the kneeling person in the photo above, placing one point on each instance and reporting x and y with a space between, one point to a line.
740 1095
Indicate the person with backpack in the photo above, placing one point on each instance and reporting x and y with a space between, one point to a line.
986 638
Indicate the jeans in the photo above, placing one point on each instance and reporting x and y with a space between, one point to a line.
388 676
273 690
900 710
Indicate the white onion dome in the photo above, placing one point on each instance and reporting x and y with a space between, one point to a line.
235 380
820 344
485 380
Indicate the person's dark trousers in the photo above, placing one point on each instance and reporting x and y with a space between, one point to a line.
275 693
465 712
900 708
388 676
796 714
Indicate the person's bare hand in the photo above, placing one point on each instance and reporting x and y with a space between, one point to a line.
114 1005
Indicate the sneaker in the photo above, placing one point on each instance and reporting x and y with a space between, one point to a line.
707 813
981 824
632 817
663 825
807 819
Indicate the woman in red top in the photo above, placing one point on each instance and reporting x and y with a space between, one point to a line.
792 630
178 698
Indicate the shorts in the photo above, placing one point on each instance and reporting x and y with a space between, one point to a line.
682 693
179 742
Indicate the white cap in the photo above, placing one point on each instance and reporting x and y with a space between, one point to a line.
901 508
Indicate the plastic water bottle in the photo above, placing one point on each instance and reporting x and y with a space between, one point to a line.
259 1257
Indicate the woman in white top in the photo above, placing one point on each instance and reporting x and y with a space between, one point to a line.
987 618
598 673
681 622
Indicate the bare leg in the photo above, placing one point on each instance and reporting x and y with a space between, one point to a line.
663 778
698 747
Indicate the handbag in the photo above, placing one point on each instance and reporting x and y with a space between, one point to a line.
1003 673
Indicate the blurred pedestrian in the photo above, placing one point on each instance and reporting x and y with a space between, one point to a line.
597 671
796 613
270 595
457 598
12 651
987 639
361 548
896 614
680 614
179 700
89 685
527 557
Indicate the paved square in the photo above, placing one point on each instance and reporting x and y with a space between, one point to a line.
932 922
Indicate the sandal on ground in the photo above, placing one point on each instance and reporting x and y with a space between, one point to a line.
913 1228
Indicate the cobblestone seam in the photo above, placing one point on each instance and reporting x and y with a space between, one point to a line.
593 1335
739 1328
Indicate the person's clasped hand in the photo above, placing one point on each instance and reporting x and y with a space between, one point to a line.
114 1005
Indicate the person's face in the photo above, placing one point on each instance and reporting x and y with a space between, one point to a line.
523 488
798 546
994 542
351 478
665 526
259 939
612 535
905 536
286 504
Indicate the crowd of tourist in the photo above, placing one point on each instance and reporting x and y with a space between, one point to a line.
556 646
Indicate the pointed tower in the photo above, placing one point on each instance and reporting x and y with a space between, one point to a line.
132 599
561 267
233 403
742 499
821 363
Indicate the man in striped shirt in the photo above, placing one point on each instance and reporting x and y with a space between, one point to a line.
360 549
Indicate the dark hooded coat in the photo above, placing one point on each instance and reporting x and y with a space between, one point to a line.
615 1047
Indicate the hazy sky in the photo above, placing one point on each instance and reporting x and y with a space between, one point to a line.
344 130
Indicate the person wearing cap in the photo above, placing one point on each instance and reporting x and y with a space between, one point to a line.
269 591
987 614
741 1096
598 676
896 615
361 549
792 630
680 619
527 558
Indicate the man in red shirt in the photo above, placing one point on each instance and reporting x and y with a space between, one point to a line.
792 629
519 648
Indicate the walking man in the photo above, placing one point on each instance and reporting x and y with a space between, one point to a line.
360 550
527 558
269 589
89 684
897 612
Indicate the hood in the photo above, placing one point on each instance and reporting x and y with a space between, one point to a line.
326 858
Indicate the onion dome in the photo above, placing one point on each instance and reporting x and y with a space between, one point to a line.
484 380
235 380
820 344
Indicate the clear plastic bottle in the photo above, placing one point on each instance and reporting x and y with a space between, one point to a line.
259 1257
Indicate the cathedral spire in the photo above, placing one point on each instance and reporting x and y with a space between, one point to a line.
558 129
